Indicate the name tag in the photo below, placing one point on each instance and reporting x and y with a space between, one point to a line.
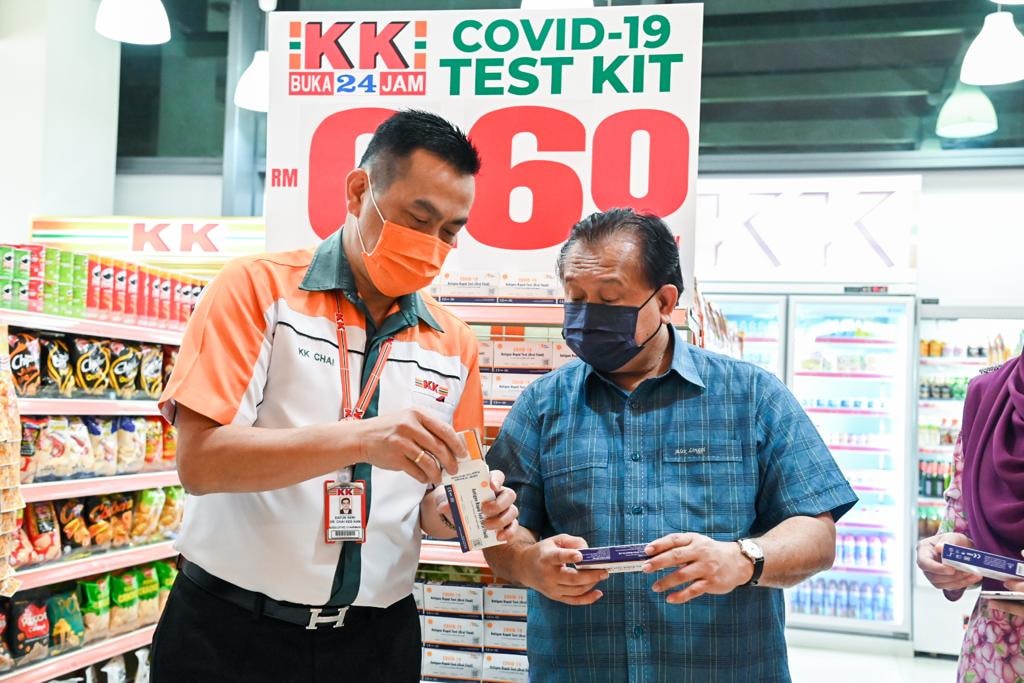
344 511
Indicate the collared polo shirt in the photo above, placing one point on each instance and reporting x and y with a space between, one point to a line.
714 446
261 350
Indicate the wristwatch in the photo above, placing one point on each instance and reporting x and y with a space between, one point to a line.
752 551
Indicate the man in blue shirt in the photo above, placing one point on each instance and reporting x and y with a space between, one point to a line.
709 461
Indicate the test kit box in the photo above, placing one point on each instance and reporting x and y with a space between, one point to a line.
506 387
561 354
985 564
467 491
466 286
443 598
505 601
522 356
505 668
417 594
453 632
615 559
504 634
486 385
441 665
529 288
485 354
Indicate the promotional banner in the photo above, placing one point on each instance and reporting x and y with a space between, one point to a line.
572 112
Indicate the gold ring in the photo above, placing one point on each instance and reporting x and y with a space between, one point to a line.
417 460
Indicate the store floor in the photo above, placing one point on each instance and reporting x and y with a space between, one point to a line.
808 664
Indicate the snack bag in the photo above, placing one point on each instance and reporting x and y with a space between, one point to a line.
23 554
81 461
67 630
104 445
94 598
6 660
122 508
148 506
52 457
74 530
131 444
42 530
11 500
24 351
98 512
149 594
29 628
90 365
151 379
10 475
170 360
174 508
166 573
57 379
30 430
170 458
124 603
125 360
154 444
9 418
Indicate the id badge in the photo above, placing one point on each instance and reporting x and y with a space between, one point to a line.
344 511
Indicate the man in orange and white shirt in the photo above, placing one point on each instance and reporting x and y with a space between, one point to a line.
257 395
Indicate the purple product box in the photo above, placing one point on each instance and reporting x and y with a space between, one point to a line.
614 559
979 562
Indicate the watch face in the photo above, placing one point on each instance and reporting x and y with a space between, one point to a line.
752 550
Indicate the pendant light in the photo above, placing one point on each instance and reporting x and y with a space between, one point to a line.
968 113
253 89
143 22
997 55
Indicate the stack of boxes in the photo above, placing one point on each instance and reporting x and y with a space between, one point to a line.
481 287
472 632
512 358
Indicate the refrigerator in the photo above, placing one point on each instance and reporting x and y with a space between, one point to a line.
955 346
850 362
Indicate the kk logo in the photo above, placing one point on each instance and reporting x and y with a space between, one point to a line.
438 392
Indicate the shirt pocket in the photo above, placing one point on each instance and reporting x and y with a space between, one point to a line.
708 488
575 487
442 410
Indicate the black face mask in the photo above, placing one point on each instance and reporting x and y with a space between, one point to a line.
603 335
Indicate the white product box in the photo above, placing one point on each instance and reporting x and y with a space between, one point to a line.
417 594
469 286
529 287
453 631
441 598
505 668
502 634
561 354
505 601
506 387
522 355
441 664
486 354
486 385
467 491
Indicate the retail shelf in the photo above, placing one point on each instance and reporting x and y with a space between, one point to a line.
760 340
958 362
96 486
861 341
940 402
931 500
58 572
848 411
518 314
862 525
90 328
494 416
878 571
936 450
845 624
85 406
842 375
870 489
93 653
447 552
859 449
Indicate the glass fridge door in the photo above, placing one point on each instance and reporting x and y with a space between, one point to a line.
851 367
762 322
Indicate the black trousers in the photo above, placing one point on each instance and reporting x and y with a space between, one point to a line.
202 638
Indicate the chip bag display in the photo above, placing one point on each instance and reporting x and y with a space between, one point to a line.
23 554
67 629
170 446
154 444
81 462
58 381
98 513
104 445
124 602
149 595
151 378
42 529
53 459
170 360
74 531
29 628
148 506
125 360
122 509
94 599
6 660
131 444
25 366
90 363
30 430
167 573
174 509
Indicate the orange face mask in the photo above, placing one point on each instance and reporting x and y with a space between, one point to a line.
404 260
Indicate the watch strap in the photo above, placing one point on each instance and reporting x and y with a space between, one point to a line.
758 563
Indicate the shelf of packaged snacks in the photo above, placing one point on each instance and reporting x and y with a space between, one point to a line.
58 572
864 341
85 406
494 416
90 328
519 314
97 486
92 653
444 552
978 362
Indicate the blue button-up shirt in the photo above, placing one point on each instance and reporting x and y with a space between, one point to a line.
714 446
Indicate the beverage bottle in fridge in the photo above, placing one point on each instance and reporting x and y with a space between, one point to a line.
849 550
875 552
885 553
934 520
954 432
817 596
843 599
922 522
801 596
878 602
889 611
839 549
922 478
860 557
864 603
830 598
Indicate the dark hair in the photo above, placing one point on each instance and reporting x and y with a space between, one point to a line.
660 262
407 131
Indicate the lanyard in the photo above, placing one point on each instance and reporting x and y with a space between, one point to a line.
347 411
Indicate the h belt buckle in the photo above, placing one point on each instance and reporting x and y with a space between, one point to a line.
315 620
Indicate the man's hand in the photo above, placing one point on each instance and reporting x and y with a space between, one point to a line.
411 441
1013 607
929 559
709 566
545 571
500 514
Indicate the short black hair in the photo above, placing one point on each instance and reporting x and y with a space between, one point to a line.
660 261
407 131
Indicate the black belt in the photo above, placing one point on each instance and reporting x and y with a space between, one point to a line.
306 616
